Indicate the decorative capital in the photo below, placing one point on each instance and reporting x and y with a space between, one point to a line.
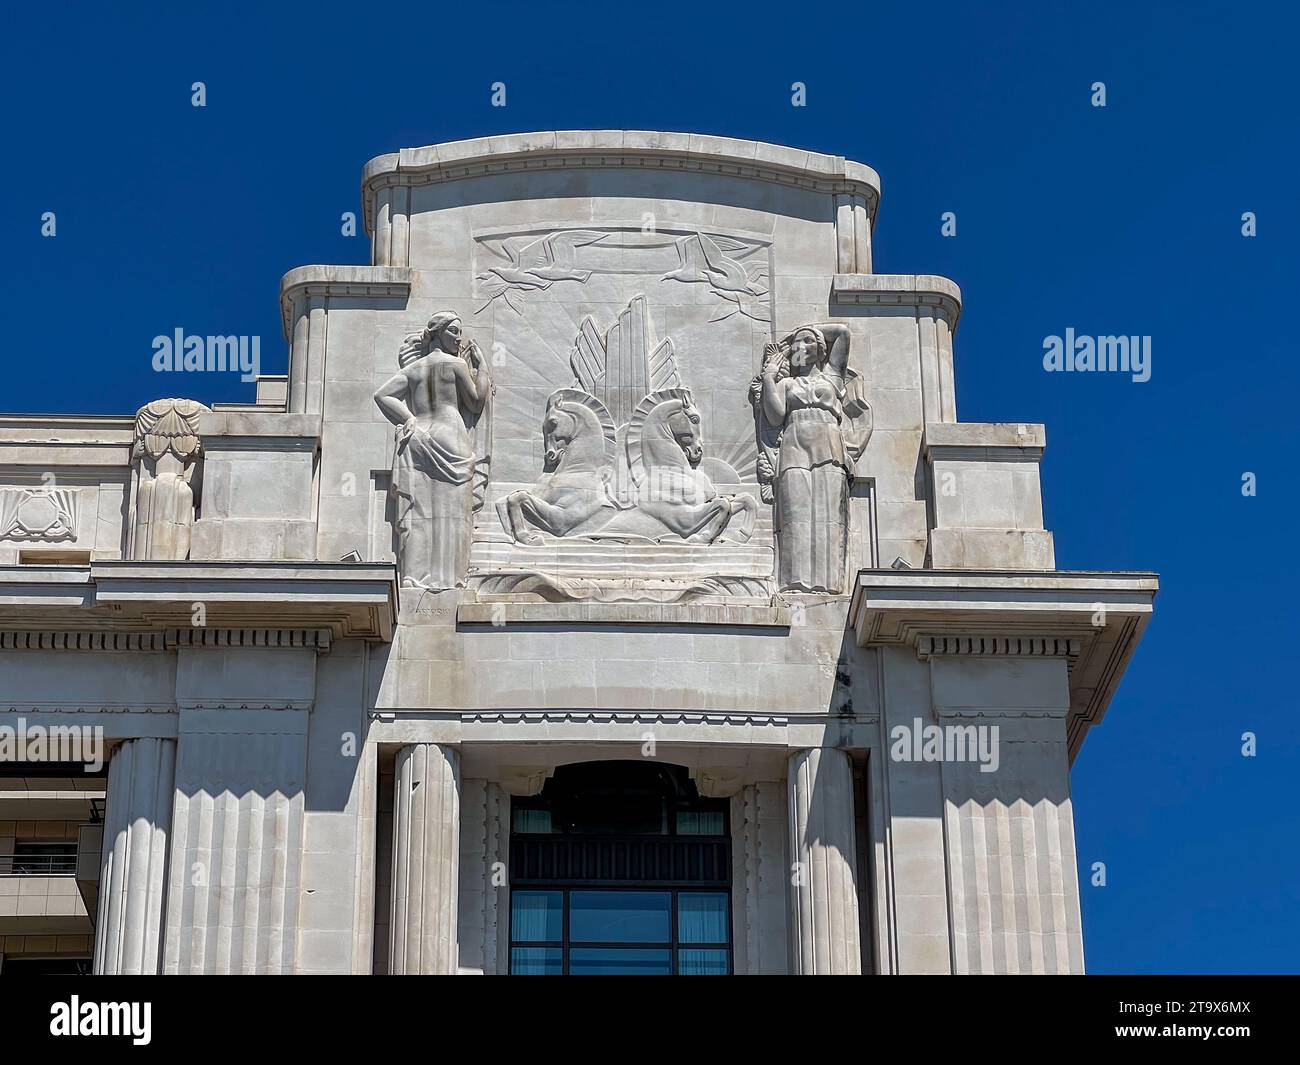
168 425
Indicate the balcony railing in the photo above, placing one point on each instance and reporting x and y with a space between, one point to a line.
40 859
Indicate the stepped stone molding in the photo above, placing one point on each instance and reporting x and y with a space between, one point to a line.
352 600
900 607
899 290
323 282
137 825
1104 661
306 296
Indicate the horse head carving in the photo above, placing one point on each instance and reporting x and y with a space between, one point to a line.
577 433
578 464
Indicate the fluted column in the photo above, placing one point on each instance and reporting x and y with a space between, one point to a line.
824 856
133 870
426 851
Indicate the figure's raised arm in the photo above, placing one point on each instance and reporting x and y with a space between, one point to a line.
473 381
837 347
391 399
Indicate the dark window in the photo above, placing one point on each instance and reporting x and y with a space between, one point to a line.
40 859
45 967
620 868
622 931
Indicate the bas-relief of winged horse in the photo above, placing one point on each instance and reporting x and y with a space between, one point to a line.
654 450
578 466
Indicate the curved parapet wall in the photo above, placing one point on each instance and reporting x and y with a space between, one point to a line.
683 175
579 149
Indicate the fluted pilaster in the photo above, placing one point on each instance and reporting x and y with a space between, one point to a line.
824 856
426 845
133 870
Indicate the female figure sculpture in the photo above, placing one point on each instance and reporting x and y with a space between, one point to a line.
813 425
437 400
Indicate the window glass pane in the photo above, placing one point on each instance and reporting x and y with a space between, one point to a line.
700 823
695 962
589 961
537 916
532 821
702 917
620 916
536 961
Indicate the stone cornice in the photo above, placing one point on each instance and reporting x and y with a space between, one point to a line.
365 282
33 640
316 639
167 640
254 599
301 706
899 290
231 427
62 423
29 707
1105 614
640 149
66 442
998 646
967 441
618 717
498 614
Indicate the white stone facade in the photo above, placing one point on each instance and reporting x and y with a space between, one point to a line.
321 708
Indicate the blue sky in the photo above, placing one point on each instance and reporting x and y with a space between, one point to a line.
1117 220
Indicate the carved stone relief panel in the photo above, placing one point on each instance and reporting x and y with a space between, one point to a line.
625 450
47 515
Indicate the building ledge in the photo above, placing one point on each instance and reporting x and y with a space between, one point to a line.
1094 620
899 290
368 282
352 600
775 615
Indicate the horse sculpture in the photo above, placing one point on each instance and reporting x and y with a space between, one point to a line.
579 438
665 449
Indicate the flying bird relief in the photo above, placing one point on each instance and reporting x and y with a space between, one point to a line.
536 263
704 259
